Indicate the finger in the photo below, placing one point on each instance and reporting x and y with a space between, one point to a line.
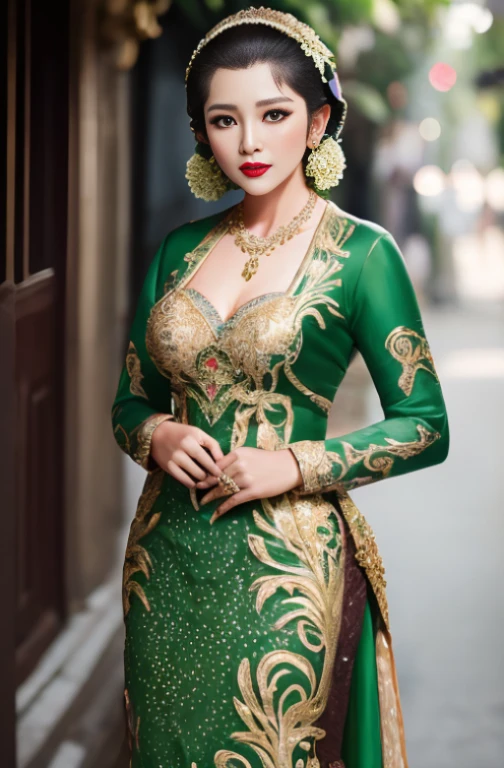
215 493
209 482
232 501
227 460
232 471
185 461
213 445
206 461
179 474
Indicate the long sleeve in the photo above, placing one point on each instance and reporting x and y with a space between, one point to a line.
143 398
386 327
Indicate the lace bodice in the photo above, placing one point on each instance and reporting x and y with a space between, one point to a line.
267 376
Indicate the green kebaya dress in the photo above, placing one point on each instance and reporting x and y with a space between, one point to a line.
263 641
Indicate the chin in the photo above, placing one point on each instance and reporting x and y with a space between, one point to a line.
258 186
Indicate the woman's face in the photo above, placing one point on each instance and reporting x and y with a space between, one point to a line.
249 119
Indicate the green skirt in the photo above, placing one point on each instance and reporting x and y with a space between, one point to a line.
361 739
245 643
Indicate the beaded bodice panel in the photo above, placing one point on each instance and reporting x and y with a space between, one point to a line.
251 360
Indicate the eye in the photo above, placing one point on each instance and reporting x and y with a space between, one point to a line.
277 115
217 121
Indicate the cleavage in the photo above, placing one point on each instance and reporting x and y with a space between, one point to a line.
246 304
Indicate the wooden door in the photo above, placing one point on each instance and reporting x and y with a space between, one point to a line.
35 184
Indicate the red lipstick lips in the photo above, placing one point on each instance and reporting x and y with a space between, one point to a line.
254 169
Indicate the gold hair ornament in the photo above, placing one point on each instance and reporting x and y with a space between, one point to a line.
308 39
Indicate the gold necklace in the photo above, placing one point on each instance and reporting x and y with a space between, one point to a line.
257 246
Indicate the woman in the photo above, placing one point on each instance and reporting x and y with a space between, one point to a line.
254 595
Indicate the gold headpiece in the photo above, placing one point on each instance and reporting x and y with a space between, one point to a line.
310 42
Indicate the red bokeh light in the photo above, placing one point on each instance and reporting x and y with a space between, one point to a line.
442 77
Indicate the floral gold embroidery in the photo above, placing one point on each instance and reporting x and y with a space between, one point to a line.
367 554
134 370
137 559
314 464
144 434
412 351
218 362
310 530
322 469
196 256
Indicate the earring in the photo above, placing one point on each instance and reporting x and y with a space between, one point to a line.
326 163
206 179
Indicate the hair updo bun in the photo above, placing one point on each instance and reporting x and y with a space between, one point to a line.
243 46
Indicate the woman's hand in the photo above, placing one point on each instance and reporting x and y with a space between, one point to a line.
177 447
258 473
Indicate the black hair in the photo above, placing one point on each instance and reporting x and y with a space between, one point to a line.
243 46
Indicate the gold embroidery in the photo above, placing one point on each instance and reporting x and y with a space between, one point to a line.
314 464
134 370
318 467
412 351
311 530
367 554
137 558
219 362
133 724
170 281
323 402
195 257
223 755
144 434
391 719
122 438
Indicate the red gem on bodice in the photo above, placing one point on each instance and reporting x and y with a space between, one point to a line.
212 363
211 390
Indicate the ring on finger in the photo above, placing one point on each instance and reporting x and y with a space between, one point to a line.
228 483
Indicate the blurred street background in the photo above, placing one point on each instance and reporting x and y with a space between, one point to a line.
95 141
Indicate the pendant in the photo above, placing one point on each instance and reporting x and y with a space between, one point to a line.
250 268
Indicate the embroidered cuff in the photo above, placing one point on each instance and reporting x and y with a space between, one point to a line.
314 465
144 440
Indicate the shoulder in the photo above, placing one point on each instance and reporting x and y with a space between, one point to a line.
169 257
365 244
369 251
362 235
189 234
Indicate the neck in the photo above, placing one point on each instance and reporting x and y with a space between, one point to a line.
263 214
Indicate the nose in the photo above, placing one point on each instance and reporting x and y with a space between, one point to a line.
250 139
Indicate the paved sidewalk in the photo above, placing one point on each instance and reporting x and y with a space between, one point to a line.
441 533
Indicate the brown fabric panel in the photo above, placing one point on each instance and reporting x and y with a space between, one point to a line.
354 603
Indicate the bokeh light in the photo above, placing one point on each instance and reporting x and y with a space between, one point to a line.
463 21
429 129
429 181
494 189
442 76
386 16
468 184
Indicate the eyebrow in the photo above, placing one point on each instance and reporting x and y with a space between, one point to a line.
262 103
